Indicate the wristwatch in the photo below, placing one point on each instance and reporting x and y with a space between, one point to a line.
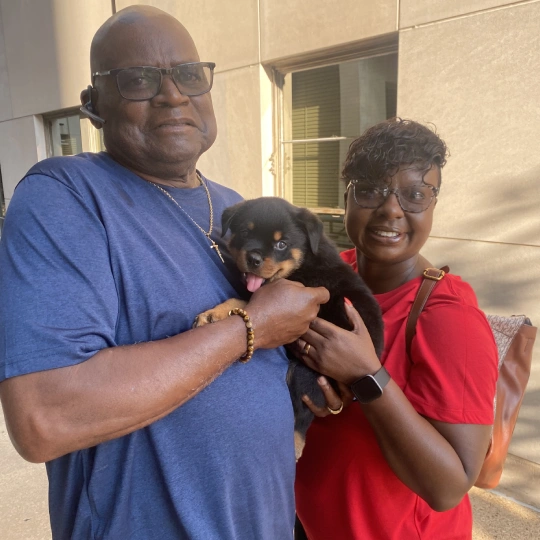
370 387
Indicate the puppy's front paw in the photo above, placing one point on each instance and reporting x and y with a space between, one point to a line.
218 313
210 316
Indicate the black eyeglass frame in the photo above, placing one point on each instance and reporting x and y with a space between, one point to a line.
162 72
386 192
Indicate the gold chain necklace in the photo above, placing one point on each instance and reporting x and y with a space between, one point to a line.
211 227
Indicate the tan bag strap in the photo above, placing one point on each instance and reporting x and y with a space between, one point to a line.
431 277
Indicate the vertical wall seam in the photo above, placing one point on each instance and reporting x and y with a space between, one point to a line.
113 6
259 37
11 115
398 29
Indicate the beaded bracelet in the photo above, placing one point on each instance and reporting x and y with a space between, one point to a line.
250 334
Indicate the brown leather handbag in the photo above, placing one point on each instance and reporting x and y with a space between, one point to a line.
514 337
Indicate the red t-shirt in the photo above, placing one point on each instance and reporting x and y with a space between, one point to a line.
345 489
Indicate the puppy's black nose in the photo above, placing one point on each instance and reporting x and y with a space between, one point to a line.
254 259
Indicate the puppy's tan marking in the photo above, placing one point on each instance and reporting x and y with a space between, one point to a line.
219 312
278 235
299 443
285 269
298 256
251 225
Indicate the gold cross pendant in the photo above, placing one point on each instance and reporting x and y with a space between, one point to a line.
216 247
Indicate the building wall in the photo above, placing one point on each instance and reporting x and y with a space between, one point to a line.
47 51
416 12
44 65
5 91
296 27
468 66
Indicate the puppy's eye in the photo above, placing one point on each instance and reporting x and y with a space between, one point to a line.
243 233
280 246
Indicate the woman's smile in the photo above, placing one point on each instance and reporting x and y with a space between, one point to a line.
386 235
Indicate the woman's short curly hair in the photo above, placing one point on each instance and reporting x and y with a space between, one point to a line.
385 147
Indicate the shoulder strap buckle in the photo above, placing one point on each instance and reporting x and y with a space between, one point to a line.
435 274
431 277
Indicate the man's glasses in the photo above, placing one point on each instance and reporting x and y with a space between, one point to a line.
144 82
415 198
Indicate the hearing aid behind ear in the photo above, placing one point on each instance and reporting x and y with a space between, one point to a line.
88 109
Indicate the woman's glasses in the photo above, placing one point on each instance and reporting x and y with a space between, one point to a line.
144 82
415 198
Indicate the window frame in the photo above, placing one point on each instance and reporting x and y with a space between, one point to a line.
281 162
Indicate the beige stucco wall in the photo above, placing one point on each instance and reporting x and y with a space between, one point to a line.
294 27
415 12
47 47
5 93
476 78
44 65
225 32
236 158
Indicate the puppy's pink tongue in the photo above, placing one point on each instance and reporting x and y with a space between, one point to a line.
253 282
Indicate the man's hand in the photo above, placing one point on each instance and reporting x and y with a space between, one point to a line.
283 310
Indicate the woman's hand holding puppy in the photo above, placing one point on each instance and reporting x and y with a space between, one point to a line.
341 354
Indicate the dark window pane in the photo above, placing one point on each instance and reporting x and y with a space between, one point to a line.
341 100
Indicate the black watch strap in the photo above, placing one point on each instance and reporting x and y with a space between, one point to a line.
370 387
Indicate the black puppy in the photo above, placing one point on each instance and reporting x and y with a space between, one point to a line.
272 239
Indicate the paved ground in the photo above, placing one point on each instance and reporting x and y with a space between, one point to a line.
496 517
24 514
23 495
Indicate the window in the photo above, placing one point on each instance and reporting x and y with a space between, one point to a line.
323 110
64 134
68 133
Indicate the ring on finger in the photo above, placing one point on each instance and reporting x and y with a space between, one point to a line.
306 348
335 411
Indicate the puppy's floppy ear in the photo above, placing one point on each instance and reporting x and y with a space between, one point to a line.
313 227
227 217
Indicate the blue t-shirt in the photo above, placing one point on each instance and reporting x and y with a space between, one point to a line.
92 256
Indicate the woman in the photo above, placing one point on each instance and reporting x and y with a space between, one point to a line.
400 466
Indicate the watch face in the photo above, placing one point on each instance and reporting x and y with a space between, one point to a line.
367 389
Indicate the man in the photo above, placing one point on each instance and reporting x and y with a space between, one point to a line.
149 429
